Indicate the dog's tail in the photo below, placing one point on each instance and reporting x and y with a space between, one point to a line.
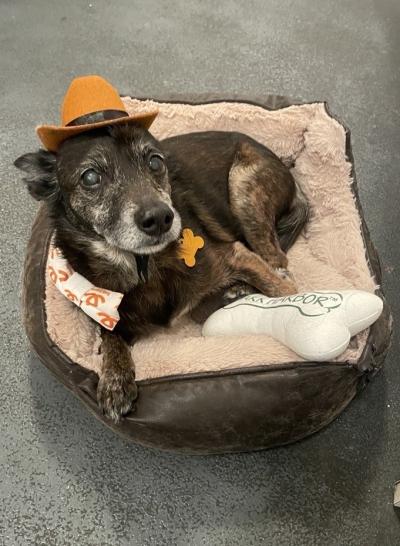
292 222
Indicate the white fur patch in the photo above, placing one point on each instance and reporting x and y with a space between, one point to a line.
166 238
129 237
112 254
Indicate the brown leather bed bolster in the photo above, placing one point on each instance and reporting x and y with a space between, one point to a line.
236 411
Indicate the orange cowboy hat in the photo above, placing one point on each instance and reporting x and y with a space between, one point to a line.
89 103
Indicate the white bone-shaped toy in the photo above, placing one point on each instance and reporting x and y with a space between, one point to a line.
315 325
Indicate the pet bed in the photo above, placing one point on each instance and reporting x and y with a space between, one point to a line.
212 395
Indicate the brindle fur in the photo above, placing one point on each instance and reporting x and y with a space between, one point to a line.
226 187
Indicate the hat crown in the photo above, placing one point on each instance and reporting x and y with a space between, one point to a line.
87 95
91 102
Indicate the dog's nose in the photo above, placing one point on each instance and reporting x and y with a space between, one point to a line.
155 219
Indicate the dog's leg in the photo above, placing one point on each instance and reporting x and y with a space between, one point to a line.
117 389
250 268
259 187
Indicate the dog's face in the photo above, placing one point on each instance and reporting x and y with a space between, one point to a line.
114 183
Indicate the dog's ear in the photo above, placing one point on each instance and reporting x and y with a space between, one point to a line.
41 178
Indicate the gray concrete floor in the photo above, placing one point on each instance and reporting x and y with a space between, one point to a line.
66 479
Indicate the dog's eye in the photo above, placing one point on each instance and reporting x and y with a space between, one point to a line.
156 163
90 178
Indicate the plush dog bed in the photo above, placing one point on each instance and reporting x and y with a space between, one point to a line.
209 395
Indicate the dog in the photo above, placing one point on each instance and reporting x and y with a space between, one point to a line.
118 200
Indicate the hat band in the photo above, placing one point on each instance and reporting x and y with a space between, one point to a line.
97 117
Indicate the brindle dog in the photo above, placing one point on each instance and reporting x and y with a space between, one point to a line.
118 200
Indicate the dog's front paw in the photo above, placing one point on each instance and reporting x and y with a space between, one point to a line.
116 393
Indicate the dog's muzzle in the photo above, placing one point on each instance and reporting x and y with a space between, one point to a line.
154 219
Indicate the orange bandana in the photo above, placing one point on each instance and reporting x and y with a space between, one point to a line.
101 305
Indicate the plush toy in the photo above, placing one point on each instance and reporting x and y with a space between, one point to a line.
316 325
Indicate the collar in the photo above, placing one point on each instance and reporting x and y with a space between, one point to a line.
142 266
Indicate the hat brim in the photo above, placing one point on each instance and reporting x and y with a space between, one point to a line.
52 136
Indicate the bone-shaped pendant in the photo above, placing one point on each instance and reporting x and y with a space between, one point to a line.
189 245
